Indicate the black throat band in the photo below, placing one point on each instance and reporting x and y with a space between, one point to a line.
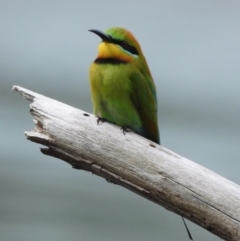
114 61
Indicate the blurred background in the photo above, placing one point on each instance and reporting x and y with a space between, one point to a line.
193 50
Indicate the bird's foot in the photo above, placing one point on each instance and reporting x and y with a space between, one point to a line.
100 120
126 129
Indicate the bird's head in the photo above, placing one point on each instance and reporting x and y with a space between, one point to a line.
120 44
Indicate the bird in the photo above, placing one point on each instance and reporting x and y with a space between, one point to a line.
123 91
122 88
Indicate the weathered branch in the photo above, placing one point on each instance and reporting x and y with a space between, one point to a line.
137 164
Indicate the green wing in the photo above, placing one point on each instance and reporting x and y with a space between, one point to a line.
144 98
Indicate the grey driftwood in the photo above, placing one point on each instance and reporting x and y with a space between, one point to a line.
148 169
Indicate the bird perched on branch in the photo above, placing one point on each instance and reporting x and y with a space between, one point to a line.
122 87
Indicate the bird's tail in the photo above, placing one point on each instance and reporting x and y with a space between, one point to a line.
189 234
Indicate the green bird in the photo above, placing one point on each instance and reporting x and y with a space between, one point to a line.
122 88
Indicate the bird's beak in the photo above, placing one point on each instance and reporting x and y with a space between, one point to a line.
102 35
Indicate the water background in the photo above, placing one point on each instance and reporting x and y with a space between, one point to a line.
193 50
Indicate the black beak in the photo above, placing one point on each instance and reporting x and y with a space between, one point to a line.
102 35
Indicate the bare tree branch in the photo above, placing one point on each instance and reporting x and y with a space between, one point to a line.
137 164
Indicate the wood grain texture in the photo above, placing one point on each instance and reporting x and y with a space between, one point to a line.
137 164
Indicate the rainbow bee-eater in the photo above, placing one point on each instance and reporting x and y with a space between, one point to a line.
122 88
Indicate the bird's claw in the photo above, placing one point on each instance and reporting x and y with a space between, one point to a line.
126 129
100 120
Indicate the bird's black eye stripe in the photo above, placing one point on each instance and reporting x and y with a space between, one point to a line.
128 47
125 45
